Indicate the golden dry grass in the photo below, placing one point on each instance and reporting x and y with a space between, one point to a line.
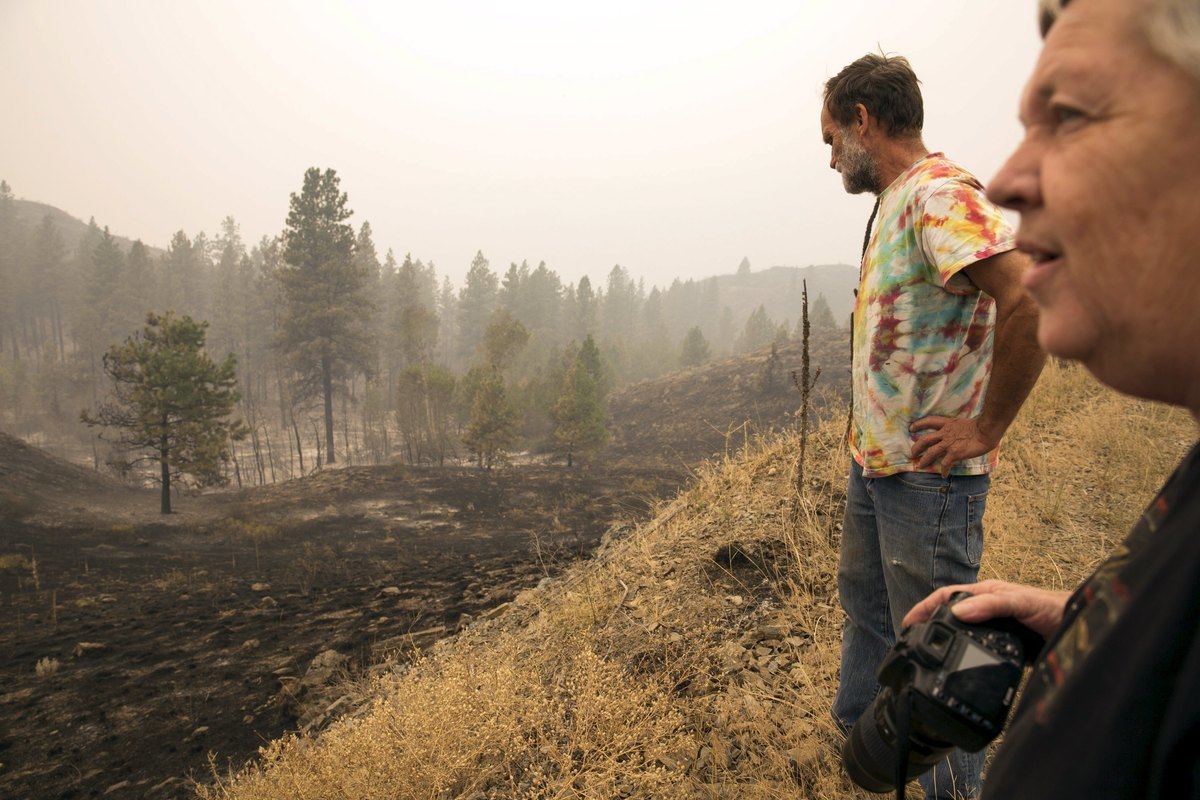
696 655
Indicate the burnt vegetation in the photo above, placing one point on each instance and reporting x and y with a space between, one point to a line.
485 437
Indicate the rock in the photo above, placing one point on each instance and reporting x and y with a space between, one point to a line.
329 659
269 602
772 632
731 656
806 755
496 611
85 648
390 591
323 670
168 783
338 706
250 644
260 587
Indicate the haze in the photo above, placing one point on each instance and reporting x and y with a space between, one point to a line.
672 138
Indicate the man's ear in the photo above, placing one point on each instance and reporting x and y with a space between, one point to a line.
862 119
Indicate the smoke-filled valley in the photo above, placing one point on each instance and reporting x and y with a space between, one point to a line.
361 460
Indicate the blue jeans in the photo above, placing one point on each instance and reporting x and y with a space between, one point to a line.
904 536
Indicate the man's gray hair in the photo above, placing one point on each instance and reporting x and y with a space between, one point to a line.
1172 28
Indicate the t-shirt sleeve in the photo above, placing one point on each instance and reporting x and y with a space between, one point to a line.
957 227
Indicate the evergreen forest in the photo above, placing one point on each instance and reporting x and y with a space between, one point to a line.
344 352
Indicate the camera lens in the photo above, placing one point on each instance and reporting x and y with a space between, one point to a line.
869 753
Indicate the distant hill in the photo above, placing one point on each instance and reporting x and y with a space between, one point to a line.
779 289
30 214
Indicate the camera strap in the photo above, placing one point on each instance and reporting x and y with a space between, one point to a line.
903 729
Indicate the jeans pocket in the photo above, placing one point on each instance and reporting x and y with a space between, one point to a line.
976 505
923 481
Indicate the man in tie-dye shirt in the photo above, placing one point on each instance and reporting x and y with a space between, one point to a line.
945 352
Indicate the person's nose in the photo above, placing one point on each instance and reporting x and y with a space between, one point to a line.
1018 184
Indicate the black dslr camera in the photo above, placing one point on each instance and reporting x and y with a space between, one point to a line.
944 684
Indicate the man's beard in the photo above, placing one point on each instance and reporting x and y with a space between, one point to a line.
858 170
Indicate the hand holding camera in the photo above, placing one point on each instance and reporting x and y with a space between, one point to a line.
946 683
1040 610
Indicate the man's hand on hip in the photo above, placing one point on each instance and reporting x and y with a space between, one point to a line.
947 441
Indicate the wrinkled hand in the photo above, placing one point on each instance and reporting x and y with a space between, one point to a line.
1040 610
949 441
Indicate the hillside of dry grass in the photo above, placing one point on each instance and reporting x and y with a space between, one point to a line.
696 655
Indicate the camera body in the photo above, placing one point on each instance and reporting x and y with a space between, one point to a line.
958 681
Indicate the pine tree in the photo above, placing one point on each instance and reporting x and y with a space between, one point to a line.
324 326
414 327
423 397
10 273
475 304
822 314
582 319
100 318
759 331
171 403
695 348
503 339
581 412
619 310
490 430
49 267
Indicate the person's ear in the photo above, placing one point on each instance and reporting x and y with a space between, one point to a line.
862 119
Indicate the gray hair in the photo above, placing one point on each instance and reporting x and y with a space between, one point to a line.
1172 27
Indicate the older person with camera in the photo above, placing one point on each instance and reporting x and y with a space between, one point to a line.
1105 182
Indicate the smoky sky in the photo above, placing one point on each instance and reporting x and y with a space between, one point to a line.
672 138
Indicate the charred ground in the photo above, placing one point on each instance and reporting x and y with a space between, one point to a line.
162 640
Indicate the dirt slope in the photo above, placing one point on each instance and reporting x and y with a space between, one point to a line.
686 417
33 481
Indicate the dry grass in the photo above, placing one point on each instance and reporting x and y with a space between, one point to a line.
696 656
1076 471
13 562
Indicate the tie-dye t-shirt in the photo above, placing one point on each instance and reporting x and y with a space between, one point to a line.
922 330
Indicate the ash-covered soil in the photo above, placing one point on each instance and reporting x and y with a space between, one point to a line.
164 641
713 410
167 642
